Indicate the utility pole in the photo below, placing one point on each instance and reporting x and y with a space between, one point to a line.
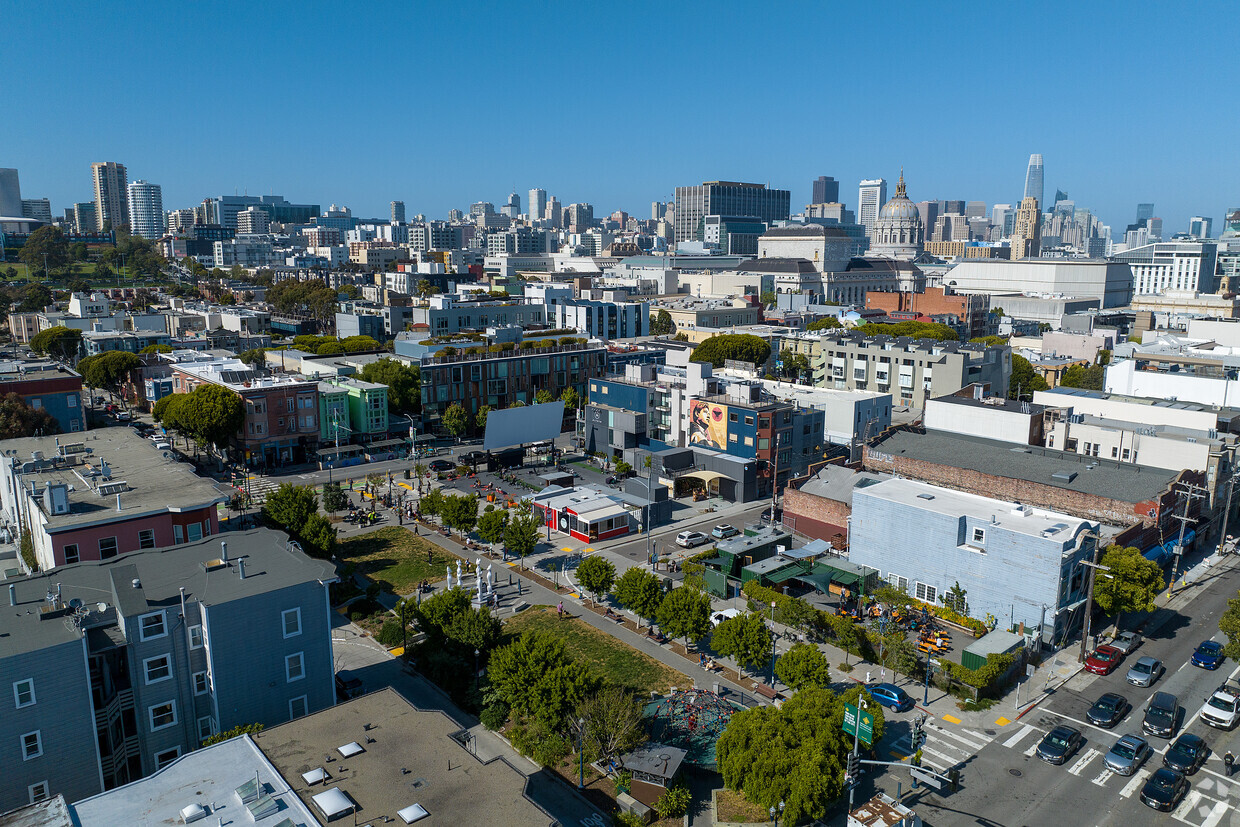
1231 484
1089 599
1190 493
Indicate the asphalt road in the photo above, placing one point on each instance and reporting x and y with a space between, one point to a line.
1005 785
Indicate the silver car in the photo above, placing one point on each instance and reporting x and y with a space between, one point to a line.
1145 671
1128 754
1126 642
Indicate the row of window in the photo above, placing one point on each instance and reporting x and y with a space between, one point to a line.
922 591
108 546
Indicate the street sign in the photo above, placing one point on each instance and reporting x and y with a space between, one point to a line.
851 716
1029 670
929 779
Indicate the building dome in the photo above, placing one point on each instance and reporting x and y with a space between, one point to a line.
899 207
898 231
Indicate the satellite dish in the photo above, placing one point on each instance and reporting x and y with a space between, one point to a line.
101 607
76 603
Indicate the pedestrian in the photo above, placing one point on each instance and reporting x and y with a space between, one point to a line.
1228 760
868 676
560 609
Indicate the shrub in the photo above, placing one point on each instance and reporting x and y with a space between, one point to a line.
551 749
844 667
390 634
623 819
674 803
494 715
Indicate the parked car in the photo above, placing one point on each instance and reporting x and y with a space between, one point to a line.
1108 710
348 685
766 515
723 532
1060 744
1126 642
1208 655
723 614
1128 754
1145 671
162 445
689 539
1103 660
1222 709
891 696
1187 754
1161 714
1164 790
441 465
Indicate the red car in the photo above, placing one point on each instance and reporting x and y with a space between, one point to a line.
1104 660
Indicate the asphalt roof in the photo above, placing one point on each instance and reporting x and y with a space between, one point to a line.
804 230
269 566
1120 481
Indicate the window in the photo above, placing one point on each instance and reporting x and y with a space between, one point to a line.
206 527
157 669
926 594
163 759
195 637
146 538
979 536
294 667
23 693
163 715
195 531
732 417
107 548
749 441
152 626
32 745
298 707
206 727
732 437
749 420
1125 457
897 581
200 683
71 553
764 443
39 792
291 619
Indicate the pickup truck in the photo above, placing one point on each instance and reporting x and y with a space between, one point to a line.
1222 709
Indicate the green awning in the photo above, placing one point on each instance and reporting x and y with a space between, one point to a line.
818 581
845 578
784 574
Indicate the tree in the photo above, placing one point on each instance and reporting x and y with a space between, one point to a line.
432 503
1091 378
640 592
356 344
829 323
685 613
460 512
596 575
956 599
1229 624
211 414
767 297
318 537
914 330
235 732
614 723
17 419
796 365
256 356
1025 380
992 341
1131 585
740 347
480 418
491 526
334 499
45 249
845 635
623 469
661 324
34 298
149 349
108 370
474 629
803 665
543 396
521 537
289 506
744 637
535 676
57 342
456 419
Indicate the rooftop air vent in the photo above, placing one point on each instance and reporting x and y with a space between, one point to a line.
192 812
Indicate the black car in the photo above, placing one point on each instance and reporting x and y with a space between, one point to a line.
347 685
1161 714
1164 790
766 515
441 465
1109 710
1060 744
1187 754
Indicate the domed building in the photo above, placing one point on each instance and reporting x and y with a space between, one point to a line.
898 231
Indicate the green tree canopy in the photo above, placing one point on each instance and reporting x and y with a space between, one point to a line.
491 526
535 676
596 575
17 419
460 511
108 370
803 665
480 418
312 297
521 536
59 342
829 323
543 396
744 637
915 330
741 347
256 356
45 248
795 365
1131 585
1229 624
661 324
992 341
456 419
156 349
685 613
318 537
34 298
403 383
1025 380
1091 378
211 414
290 506
640 592
571 399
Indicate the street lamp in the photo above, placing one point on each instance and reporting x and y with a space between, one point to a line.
581 753
772 644
776 813
477 653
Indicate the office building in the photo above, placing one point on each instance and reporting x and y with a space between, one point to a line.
37 209
146 209
826 190
121 666
111 195
223 210
512 208
1144 213
1033 179
1108 282
1172 266
10 193
1200 226
253 221
871 197
537 203
972 309
726 198
398 212
84 218
601 319
1027 231
732 235
578 217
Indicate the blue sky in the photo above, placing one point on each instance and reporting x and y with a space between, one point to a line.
442 104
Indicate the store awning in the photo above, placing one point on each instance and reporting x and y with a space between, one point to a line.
789 573
599 514
820 582
385 444
704 476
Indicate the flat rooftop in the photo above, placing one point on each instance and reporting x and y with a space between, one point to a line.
1046 466
997 403
408 756
106 586
100 464
207 777
20 370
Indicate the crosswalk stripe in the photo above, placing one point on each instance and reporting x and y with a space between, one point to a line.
1018 737
1083 761
1187 806
947 761
1031 749
1220 809
1135 783
1103 777
956 736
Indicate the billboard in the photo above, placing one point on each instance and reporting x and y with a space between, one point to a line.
520 426
708 425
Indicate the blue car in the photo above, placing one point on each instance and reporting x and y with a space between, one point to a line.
1208 655
891 696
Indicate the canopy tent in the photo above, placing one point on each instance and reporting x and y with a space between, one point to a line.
819 581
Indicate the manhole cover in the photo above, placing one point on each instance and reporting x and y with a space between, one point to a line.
989 731
1015 773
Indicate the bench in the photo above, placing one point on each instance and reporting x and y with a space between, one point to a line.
767 691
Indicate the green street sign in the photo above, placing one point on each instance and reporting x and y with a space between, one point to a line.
851 716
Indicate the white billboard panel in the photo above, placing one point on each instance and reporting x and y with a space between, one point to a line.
520 426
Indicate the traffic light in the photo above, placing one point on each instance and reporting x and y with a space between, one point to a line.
918 736
852 768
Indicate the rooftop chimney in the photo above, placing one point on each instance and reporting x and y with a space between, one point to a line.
118 502
241 567
12 594
224 550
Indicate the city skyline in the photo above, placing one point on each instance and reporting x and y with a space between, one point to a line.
434 166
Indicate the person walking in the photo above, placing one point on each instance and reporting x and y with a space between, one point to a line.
560 609
1228 760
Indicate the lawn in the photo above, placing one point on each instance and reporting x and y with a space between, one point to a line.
396 559
606 657
734 807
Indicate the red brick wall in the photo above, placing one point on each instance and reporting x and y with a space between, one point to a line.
816 517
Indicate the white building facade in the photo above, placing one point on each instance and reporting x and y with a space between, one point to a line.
146 209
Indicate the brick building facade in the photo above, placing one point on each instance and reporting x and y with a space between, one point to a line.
973 308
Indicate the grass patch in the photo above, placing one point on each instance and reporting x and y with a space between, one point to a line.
734 807
606 657
980 705
396 559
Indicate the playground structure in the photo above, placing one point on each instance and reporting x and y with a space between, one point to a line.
691 719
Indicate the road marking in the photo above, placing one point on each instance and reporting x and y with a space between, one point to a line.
1083 761
1002 722
1033 748
1216 814
1187 806
947 760
1135 783
1020 736
976 747
1103 777
951 719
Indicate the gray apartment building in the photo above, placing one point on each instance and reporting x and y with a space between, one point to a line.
445 315
729 198
115 668
1015 562
911 370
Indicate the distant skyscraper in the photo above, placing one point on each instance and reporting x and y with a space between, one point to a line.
146 209
871 197
1144 213
10 193
253 221
826 190
657 210
1033 179
730 198
111 194
553 213
1200 226
999 217
398 212
579 217
1154 225
1027 234
538 203
84 220
512 207
975 209
38 209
